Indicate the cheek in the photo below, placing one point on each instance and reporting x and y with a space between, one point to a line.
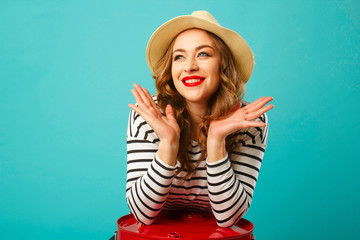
215 71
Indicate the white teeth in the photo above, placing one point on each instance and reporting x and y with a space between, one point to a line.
192 80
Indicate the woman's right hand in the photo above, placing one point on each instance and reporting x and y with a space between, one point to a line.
166 127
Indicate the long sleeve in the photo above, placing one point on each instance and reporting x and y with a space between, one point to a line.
232 180
148 178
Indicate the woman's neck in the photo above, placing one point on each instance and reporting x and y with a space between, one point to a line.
196 111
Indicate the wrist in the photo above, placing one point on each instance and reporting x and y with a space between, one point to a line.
216 149
169 144
168 151
215 134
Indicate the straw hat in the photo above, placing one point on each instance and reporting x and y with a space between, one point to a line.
162 37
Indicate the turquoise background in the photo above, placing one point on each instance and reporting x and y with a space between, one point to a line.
66 70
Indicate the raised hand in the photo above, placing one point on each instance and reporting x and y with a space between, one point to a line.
166 127
238 119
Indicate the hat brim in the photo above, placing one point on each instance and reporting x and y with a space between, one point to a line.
162 37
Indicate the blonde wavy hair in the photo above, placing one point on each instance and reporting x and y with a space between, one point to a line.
229 93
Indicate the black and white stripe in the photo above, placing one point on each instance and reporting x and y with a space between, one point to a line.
225 187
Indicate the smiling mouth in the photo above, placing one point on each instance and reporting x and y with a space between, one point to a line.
192 81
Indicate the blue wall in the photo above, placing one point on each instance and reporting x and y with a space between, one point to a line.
66 70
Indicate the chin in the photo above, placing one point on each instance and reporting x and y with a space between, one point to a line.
196 99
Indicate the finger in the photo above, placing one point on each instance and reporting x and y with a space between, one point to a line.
137 97
142 95
248 124
151 100
146 115
253 103
169 112
258 113
140 101
136 109
258 104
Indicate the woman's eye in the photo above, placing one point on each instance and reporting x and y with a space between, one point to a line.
204 54
177 57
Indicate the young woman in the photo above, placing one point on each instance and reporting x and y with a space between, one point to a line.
195 145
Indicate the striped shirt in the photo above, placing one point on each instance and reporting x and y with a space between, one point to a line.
225 187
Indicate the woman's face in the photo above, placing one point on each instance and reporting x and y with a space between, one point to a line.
195 66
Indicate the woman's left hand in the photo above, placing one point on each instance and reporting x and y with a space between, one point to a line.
239 118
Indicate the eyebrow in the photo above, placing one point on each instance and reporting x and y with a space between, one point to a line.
197 48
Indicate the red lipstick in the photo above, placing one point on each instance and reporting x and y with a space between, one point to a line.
192 81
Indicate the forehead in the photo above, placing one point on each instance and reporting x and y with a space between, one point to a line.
192 38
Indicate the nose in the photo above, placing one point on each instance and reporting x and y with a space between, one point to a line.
191 65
